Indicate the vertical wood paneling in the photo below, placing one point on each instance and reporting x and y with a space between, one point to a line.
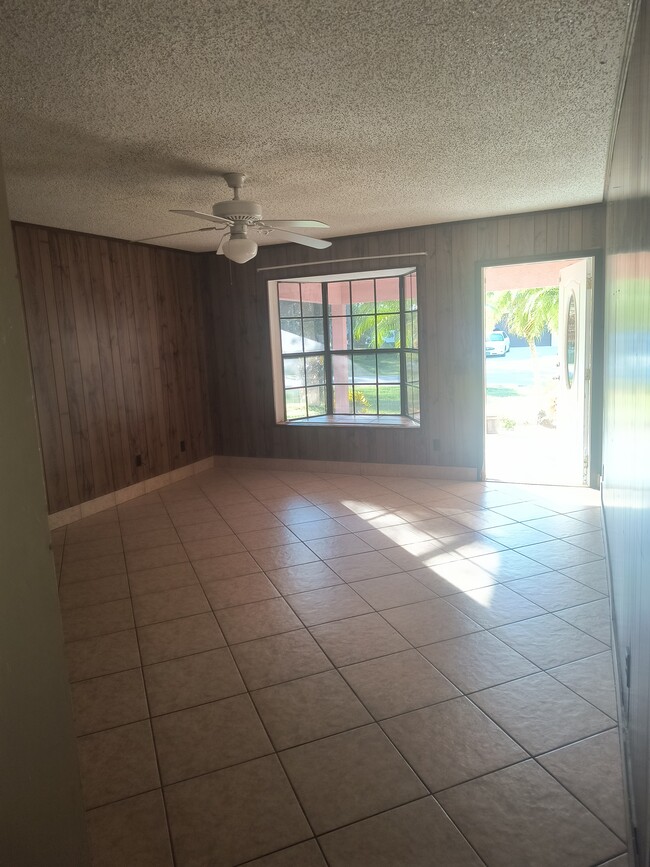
117 343
177 365
122 462
522 234
167 334
162 444
557 225
169 381
146 360
450 324
111 415
575 230
95 434
467 353
435 387
64 294
129 367
202 443
61 402
626 437
503 238
539 234
592 226
487 235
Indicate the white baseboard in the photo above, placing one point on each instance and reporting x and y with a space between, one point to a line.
108 501
462 474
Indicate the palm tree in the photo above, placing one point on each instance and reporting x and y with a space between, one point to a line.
388 323
527 312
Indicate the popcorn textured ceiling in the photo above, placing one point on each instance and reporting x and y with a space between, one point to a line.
368 115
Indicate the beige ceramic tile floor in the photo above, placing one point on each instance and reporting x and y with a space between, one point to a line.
280 668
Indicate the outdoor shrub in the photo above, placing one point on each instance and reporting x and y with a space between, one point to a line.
361 404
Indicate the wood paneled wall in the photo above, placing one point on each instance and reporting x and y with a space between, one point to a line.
117 341
131 345
450 323
626 447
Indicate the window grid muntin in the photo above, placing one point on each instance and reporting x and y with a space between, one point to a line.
406 387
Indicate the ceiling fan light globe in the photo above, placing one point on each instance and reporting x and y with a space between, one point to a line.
240 250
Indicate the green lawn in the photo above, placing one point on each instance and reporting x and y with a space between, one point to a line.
366 401
503 392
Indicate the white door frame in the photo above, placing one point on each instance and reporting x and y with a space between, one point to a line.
594 402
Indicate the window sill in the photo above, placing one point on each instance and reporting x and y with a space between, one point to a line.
385 421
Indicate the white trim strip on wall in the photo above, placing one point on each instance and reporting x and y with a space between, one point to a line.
333 261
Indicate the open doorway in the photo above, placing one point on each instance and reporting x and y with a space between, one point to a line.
538 327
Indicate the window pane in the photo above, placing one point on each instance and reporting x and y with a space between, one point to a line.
316 401
408 329
363 296
410 296
295 403
343 400
408 292
294 372
363 332
313 331
338 299
413 395
341 368
388 307
388 367
367 331
390 400
289 298
291 333
312 299
388 292
340 333
315 369
365 399
388 331
415 363
365 367
412 367
411 324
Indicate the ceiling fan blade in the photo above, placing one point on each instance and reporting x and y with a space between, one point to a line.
173 234
200 216
297 224
316 243
224 237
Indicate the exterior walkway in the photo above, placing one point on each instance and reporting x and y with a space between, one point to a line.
344 670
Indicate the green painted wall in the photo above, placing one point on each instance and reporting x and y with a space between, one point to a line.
41 815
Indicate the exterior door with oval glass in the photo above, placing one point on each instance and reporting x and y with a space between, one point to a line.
574 400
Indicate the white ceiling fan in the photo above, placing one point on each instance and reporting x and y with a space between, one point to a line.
236 216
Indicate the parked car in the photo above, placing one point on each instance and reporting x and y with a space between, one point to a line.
497 343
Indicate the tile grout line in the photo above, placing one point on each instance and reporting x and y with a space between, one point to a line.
374 723
275 752
151 728
534 757
336 668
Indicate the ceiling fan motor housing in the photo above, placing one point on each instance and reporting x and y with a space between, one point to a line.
238 210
